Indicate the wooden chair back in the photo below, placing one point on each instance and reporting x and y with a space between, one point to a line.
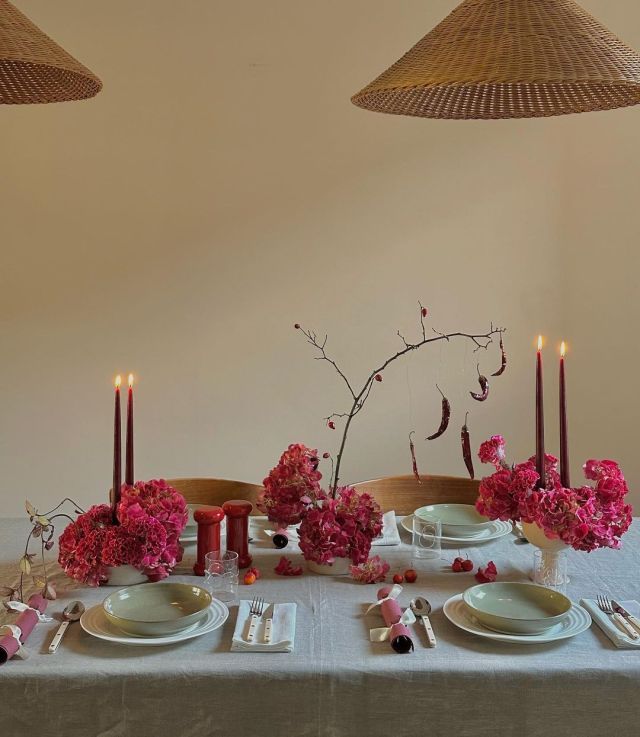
404 494
216 492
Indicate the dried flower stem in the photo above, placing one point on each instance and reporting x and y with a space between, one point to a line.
480 340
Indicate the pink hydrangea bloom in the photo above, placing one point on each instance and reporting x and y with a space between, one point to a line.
374 570
291 486
340 528
151 517
584 517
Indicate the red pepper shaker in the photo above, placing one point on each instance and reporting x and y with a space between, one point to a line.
208 520
237 511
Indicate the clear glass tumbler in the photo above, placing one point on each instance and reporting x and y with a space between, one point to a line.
221 575
427 539
550 569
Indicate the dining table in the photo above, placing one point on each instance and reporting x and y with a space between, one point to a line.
336 682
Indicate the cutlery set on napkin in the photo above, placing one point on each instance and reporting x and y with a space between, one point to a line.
271 631
619 620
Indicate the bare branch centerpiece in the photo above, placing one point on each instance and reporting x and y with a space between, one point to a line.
338 525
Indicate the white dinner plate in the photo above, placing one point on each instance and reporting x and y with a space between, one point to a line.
94 622
496 529
577 620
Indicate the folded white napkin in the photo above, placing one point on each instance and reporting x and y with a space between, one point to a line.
612 630
389 536
283 631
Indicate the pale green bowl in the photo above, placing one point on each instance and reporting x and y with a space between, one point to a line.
516 608
155 609
457 520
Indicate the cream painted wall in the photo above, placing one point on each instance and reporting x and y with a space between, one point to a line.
222 187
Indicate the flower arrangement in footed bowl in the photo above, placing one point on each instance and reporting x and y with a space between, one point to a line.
336 528
150 517
584 517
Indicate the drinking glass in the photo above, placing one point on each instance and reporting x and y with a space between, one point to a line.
221 574
427 539
550 569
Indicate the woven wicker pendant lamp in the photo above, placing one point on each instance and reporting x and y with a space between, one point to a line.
509 59
33 68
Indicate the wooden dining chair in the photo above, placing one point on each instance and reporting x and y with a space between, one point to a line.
404 494
217 491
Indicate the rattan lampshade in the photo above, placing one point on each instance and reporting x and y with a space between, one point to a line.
509 59
33 68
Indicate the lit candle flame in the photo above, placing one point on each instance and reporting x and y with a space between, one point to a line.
563 349
130 380
118 381
539 342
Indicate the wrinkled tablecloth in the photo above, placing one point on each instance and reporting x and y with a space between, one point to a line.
336 683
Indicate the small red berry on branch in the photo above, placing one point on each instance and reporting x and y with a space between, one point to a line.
425 312
378 377
326 455
331 425
297 326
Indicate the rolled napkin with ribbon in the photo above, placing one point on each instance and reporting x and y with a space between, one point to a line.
396 620
13 636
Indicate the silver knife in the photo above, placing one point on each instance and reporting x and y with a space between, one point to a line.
268 623
617 607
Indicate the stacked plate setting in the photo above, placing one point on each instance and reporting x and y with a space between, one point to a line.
461 523
516 612
155 614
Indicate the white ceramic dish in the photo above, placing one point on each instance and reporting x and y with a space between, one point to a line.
495 530
577 621
95 623
516 608
156 609
457 520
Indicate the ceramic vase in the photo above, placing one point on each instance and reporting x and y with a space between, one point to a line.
339 567
125 576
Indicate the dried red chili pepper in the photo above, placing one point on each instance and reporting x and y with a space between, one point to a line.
484 386
444 420
503 365
414 462
466 447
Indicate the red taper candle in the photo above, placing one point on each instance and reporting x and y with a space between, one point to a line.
117 451
540 419
128 471
565 478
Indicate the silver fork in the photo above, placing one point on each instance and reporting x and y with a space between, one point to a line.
256 609
605 605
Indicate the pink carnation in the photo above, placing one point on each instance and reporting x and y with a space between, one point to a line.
493 451
373 570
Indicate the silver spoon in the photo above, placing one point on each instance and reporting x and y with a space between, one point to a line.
422 609
72 613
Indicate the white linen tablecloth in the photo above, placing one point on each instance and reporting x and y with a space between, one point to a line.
336 683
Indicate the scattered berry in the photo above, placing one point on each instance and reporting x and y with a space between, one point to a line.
467 565
255 571
331 424
410 576
456 566
378 377
398 578
249 578
326 455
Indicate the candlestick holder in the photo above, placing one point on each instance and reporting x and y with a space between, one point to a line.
208 520
237 511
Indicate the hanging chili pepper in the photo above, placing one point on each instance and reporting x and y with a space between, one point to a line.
484 386
503 365
444 421
414 462
466 447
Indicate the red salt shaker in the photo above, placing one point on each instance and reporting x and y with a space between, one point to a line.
208 520
237 511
